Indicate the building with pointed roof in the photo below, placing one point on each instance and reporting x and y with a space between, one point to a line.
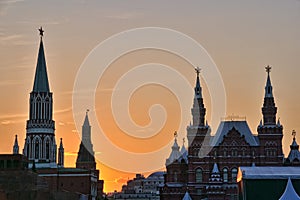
40 150
213 159
86 158
294 154
40 145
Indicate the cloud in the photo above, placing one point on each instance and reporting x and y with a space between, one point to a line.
7 122
118 180
45 22
14 39
61 123
71 153
13 116
65 110
5 4
10 82
124 16
12 119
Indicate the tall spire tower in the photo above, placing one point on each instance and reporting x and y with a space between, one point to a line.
197 131
40 145
269 132
85 158
198 110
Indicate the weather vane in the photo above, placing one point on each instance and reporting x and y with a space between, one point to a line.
87 111
268 69
197 70
183 140
41 31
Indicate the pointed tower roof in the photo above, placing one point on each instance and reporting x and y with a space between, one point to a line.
198 89
175 154
41 83
187 196
215 174
16 146
289 192
86 119
215 169
61 146
268 88
294 152
184 152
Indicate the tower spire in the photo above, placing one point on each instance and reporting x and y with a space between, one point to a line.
268 88
40 145
41 83
16 146
269 109
61 154
85 158
198 89
198 110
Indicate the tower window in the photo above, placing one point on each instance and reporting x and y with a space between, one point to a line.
234 174
199 175
175 176
225 175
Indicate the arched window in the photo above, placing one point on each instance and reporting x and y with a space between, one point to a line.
47 149
36 149
234 174
199 175
225 175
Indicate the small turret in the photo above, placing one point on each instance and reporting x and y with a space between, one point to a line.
16 146
61 154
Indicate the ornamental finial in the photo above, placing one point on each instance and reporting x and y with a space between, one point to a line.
87 111
197 70
268 69
294 134
175 134
41 31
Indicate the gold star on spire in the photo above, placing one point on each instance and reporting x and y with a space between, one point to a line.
268 69
41 31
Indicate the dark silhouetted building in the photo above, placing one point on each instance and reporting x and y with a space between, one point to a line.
211 167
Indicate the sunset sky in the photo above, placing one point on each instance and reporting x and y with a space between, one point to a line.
241 37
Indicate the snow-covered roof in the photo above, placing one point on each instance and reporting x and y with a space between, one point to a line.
215 169
187 196
184 153
289 192
268 173
156 175
175 154
294 152
241 126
